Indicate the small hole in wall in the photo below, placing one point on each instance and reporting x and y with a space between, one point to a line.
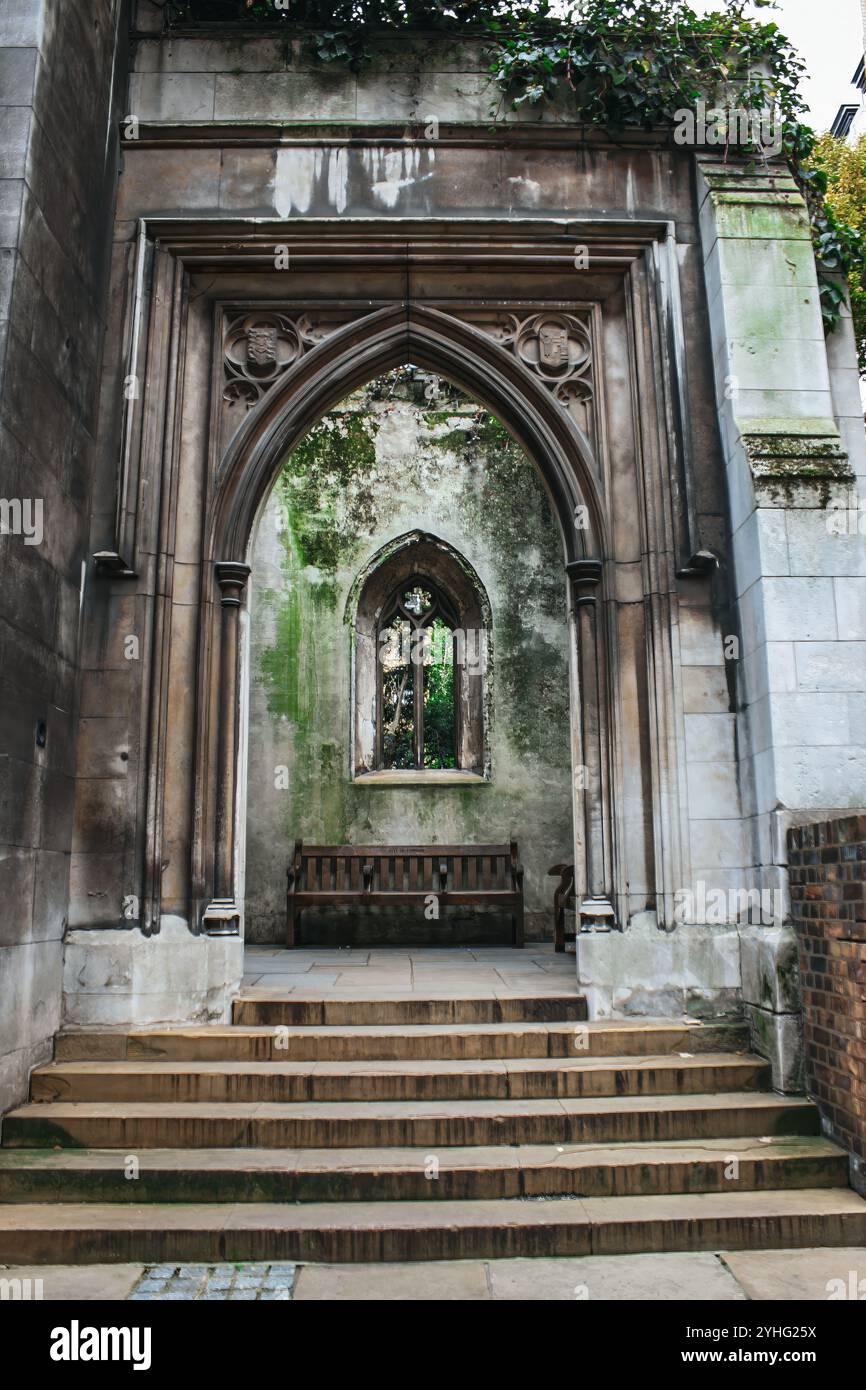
41 734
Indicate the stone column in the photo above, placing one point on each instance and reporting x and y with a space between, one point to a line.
596 910
222 916
799 559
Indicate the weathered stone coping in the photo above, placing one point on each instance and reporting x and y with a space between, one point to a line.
421 777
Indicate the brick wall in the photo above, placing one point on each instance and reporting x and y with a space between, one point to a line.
828 898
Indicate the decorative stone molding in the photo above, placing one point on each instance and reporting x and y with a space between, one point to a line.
259 348
202 300
781 462
556 347
232 576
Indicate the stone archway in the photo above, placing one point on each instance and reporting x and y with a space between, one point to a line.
502 383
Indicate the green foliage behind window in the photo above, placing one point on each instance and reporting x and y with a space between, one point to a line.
844 167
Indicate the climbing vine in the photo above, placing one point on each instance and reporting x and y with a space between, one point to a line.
613 63
840 170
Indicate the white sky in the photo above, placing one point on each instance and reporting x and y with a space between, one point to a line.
829 37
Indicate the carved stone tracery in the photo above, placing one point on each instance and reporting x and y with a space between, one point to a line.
557 347
259 348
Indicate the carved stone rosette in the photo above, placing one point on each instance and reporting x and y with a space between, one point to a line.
258 349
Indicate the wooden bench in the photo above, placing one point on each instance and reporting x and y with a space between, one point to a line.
405 875
562 898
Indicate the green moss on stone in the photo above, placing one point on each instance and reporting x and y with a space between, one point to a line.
322 486
344 493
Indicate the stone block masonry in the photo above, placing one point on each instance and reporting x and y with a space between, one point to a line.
828 897
58 174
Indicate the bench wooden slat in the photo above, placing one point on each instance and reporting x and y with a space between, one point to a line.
365 851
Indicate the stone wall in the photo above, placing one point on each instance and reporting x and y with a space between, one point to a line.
58 165
828 892
406 454
718 398
792 431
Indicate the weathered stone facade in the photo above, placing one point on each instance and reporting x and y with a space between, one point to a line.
57 185
283 236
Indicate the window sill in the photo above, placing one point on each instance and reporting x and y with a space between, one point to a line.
424 777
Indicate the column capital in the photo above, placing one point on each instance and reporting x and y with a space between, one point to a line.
221 918
585 576
232 576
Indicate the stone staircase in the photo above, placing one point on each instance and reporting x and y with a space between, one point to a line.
404 1128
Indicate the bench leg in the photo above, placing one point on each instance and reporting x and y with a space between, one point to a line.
291 922
517 925
558 923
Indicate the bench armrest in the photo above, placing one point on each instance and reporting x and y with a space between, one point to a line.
566 877
563 891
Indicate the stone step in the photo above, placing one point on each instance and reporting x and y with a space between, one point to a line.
365 1175
511 1079
82 1233
374 1124
396 1042
309 1011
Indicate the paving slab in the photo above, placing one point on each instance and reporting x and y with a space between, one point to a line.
802 1275
798 1275
446 1281
654 1278
469 971
75 1283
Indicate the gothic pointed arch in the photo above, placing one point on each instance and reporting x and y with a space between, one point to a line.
502 383
370 346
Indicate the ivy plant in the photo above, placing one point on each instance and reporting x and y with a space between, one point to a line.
615 63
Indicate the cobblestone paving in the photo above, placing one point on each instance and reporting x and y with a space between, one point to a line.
237 1283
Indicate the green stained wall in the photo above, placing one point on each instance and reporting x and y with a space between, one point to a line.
406 453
